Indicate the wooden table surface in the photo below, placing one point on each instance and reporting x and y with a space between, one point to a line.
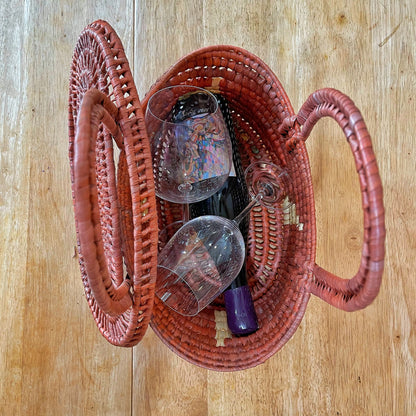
53 360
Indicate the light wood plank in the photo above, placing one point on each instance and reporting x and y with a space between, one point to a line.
59 362
165 31
14 203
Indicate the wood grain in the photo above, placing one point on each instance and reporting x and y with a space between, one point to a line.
52 358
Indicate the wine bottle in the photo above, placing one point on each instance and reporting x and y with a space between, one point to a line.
228 202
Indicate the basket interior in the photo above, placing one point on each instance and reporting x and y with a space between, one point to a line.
281 242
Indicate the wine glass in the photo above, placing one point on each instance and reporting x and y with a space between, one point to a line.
205 255
198 263
190 145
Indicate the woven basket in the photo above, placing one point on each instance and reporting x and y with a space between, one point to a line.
118 216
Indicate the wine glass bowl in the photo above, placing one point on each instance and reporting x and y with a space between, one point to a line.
190 144
198 263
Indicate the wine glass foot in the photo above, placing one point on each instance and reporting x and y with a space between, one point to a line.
266 182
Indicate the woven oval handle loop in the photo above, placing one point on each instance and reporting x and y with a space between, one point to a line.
115 209
97 108
359 291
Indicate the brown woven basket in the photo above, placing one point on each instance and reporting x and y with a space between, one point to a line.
117 214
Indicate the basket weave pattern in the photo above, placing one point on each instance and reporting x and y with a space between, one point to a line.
115 213
281 246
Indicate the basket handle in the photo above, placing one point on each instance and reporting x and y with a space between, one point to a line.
359 291
113 299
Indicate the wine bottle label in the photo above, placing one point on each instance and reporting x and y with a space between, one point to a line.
205 130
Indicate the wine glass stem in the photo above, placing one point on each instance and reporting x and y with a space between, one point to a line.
249 207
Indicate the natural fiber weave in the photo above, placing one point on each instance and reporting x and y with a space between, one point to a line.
115 217
281 248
